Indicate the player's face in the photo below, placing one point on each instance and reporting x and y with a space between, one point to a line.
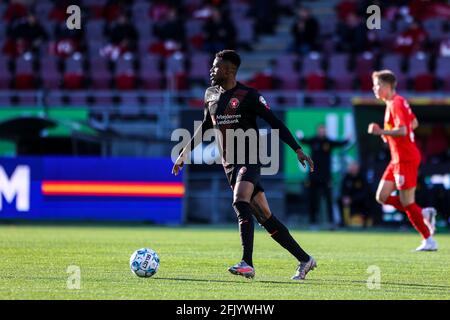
322 131
218 72
380 90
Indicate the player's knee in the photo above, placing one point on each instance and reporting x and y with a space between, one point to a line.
381 197
240 197
242 209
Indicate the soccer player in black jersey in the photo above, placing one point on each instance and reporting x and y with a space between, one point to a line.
229 105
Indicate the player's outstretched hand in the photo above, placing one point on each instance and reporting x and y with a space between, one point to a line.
178 164
302 157
374 128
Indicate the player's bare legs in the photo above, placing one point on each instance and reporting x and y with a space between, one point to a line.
242 193
407 197
384 195
405 202
415 215
281 234
384 190
260 207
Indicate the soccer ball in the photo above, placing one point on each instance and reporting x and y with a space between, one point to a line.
144 262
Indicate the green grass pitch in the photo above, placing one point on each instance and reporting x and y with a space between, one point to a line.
194 260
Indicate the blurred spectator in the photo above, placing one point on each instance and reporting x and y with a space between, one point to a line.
159 11
346 8
355 193
67 41
305 31
411 40
122 34
320 182
171 33
362 6
422 10
114 9
262 81
437 146
265 13
27 34
59 10
220 33
16 10
352 34
444 48
207 8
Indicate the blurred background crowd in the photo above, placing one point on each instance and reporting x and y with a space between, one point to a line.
157 44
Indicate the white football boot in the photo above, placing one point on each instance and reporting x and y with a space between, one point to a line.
303 268
428 245
429 217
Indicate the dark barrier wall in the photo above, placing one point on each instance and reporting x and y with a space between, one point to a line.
72 188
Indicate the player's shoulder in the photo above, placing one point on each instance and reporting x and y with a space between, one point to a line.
250 90
212 93
212 89
252 94
400 101
255 95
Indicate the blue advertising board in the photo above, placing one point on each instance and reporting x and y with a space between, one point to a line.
90 188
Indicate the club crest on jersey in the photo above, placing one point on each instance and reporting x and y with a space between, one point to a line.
264 102
234 103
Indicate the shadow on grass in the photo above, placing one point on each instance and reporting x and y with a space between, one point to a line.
398 284
241 280
317 282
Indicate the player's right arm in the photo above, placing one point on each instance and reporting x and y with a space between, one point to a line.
195 141
262 109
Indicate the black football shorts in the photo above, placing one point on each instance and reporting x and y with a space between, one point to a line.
245 172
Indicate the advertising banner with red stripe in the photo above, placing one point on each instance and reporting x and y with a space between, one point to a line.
90 188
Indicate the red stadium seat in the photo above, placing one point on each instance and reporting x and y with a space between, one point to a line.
24 81
315 82
15 11
365 81
344 82
15 48
446 83
125 81
73 81
424 82
152 82
181 81
262 81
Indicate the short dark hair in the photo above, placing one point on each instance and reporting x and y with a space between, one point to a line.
386 76
230 56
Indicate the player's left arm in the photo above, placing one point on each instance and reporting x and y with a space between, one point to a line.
263 110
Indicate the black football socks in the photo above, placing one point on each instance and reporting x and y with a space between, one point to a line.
246 229
281 234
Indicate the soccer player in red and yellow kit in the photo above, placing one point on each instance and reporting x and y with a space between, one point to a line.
401 173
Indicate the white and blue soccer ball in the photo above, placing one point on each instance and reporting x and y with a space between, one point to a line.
144 262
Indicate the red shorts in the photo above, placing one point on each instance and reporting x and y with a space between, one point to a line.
403 174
